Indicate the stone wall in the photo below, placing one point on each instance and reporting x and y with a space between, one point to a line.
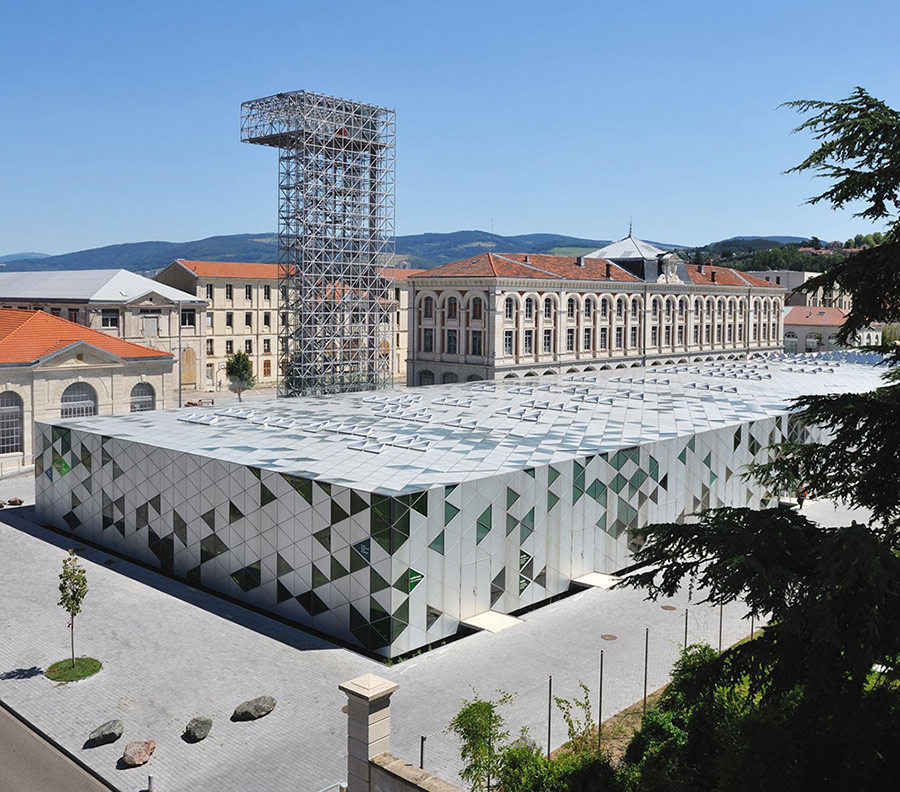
387 773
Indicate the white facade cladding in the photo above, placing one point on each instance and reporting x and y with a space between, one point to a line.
385 519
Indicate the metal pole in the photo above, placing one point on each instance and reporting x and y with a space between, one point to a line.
685 627
751 624
646 656
150 787
179 353
600 704
422 752
721 609
549 711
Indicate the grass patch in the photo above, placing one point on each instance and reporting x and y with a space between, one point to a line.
64 672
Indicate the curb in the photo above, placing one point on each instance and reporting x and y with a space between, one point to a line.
24 471
64 751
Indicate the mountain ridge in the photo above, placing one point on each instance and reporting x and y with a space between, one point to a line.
425 250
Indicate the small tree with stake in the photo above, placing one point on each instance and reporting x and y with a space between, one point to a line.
239 370
73 588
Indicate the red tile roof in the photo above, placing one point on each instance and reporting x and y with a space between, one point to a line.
400 273
815 317
231 269
530 266
247 269
27 336
725 276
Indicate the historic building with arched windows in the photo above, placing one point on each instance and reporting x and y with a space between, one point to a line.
51 368
498 316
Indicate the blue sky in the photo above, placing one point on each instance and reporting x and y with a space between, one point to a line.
119 121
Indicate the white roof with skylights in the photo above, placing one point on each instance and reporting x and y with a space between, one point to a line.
404 440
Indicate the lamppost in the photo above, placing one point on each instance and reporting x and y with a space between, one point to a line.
220 367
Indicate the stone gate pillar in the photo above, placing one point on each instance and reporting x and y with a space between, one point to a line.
368 725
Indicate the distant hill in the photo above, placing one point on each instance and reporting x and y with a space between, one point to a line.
417 250
749 244
151 256
22 256
432 250
784 240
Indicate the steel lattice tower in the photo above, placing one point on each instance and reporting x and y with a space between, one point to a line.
335 236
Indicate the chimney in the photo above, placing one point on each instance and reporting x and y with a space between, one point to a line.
608 270
700 268
712 275
579 262
526 258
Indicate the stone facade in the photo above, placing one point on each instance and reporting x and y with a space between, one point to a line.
244 314
477 328
41 386
791 279
122 305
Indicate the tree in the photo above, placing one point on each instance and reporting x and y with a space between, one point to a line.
481 733
239 371
73 588
860 153
814 708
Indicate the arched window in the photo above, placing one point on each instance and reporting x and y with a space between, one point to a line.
529 308
477 309
11 422
604 308
654 309
473 378
426 378
570 308
669 308
635 306
428 308
620 308
452 307
77 401
588 308
449 377
143 397
509 308
548 308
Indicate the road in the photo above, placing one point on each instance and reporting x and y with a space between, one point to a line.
29 763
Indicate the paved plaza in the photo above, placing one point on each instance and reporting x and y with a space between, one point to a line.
171 652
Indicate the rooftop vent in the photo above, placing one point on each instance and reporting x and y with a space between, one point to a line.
579 262
526 259
712 275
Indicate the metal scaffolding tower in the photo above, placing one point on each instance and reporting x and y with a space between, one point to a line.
335 236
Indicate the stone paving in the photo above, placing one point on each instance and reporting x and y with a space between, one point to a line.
171 652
